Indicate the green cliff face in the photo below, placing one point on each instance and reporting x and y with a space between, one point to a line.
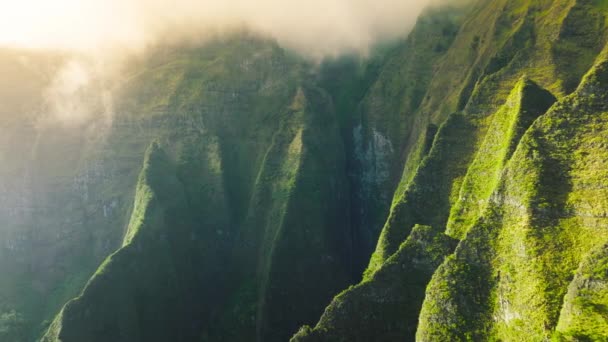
519 184
237 190
382 308
245 178
543 221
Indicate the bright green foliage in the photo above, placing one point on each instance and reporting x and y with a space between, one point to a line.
382 308
526 102
245 178
511 192
427 199
394 128
385 305
509 275
478 145
422 148
152 275
580 39
583 316
388 127
491 59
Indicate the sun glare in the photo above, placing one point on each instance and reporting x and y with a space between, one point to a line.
62 23
314 27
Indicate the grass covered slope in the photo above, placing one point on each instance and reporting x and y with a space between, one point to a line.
495 44
583 316
526 102
298 214
246 179
152 277
315 230
485 77
473 144
388 125
384 307
508 277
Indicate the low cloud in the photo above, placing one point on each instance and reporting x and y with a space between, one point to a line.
80 91
100 34
313 27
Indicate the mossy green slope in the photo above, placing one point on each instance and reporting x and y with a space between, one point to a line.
251 182
398 284
583 316
388 125
484 77
508 277
298 213
526 102
383 308
496 44
151 277
315 230
427 199
263 194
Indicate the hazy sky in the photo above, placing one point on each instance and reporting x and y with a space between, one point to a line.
107 30
317 27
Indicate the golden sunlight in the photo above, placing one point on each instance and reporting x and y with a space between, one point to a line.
315 27
64 24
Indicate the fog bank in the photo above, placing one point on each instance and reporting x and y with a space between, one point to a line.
313 27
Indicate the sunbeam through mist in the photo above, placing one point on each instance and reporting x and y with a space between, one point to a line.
316 27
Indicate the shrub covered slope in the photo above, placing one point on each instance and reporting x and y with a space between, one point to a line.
516 174
451 187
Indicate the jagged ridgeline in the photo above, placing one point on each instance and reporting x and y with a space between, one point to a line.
515 179
240 197
453 186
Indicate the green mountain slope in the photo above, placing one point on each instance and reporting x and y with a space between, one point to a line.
238 190
501 283
543 220
229 197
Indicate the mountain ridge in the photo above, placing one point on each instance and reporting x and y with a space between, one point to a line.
451 187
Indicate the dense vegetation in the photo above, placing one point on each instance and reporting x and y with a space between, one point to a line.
452 186
522 187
